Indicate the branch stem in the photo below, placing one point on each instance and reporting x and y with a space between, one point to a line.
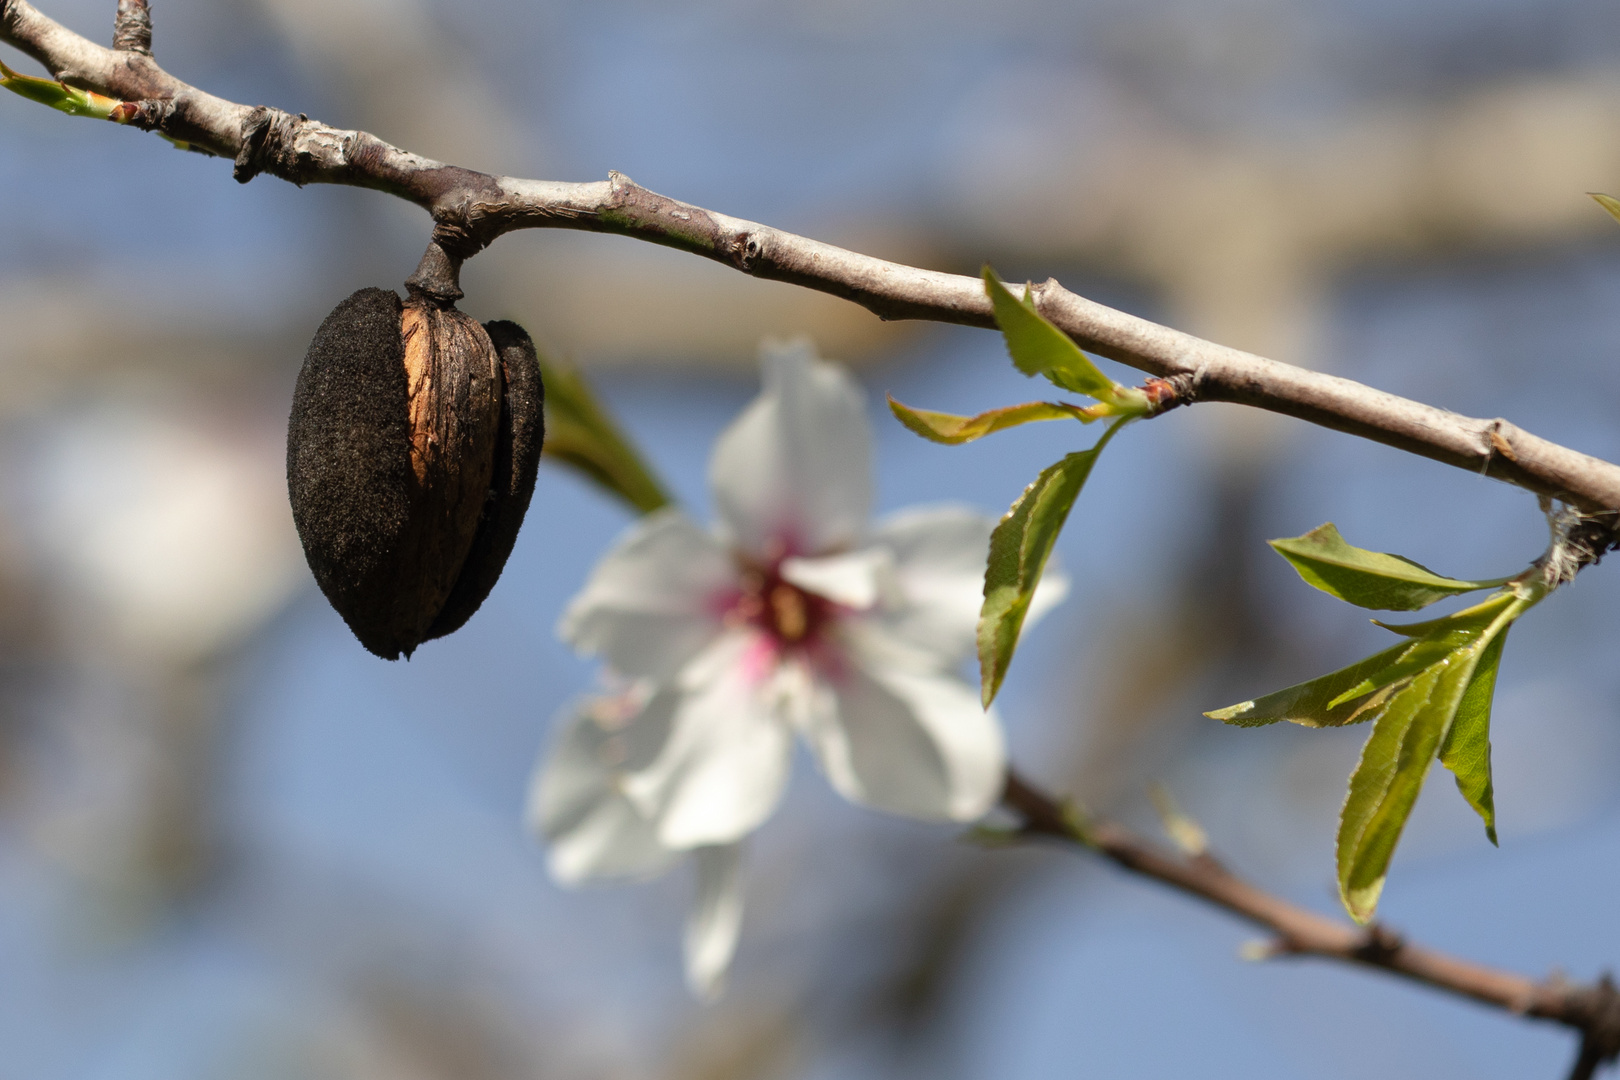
470 209
1592 1010
132 28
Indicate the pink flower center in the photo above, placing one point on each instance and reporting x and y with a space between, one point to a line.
786 614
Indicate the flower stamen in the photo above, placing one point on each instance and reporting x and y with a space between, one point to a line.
789 614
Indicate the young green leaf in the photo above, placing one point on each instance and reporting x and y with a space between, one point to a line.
1368 579
1353 694
1429 696
1433 642
1019 548
1308 703
1608 202
1387 779
1467 749
1182 830
582 435
61 96
954 430
1039 348
1419 721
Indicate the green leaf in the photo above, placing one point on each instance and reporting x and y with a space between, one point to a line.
1428 696
1608 202
1352 694
1368 579
1420 720
1467 749
581 435
61 96
954 430
1184 832
1308 703
1433 642
1388 777
1019 548
1039 348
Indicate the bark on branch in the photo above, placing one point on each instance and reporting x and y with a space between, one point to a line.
132 27
1592 1010
470 209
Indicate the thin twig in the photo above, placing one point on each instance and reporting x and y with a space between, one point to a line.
470 209
1592 1010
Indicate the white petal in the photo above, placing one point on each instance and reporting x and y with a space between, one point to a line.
910 742
716 918
614 842
576 801
654 600
855 580
793 473
938 579
939 556
724 767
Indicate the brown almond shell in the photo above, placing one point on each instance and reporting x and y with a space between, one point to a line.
391 449
517 461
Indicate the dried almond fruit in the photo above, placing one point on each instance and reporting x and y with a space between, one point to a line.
411 456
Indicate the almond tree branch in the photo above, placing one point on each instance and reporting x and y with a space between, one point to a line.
470 209
1592 1009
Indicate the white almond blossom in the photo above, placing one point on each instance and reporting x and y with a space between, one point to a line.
792 617
578 802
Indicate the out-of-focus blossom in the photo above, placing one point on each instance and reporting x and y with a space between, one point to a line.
792 617
597 832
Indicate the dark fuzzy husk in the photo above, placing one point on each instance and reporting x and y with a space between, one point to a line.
406 545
